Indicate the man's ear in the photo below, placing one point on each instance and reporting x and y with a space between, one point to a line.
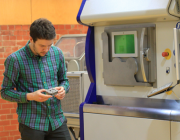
31 40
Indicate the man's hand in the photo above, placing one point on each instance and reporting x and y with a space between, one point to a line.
61 93
38 96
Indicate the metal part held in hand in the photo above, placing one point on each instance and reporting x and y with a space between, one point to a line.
51 91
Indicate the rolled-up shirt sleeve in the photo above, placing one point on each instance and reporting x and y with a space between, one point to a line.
10 80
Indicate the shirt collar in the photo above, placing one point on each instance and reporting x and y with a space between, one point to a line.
30 53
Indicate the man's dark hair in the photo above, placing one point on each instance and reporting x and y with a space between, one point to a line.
42 29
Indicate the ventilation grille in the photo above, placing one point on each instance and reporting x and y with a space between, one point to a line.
71 102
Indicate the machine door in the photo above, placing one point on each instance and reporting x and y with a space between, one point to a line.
129 55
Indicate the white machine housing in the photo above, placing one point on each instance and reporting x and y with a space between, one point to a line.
98 13
120 120
163 13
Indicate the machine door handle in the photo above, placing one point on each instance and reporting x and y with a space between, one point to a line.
142 55
176 46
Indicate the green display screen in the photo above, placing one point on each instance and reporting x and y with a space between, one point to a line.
124 44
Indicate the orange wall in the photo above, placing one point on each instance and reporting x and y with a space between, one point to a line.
24 12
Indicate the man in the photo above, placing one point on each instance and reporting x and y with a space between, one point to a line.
28 72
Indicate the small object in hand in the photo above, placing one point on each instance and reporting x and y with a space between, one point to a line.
51 91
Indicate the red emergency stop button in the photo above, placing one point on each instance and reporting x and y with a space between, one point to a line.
165 54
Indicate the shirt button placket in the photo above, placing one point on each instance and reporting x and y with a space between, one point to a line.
42 73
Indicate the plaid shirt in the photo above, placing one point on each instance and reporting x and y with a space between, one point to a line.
27 73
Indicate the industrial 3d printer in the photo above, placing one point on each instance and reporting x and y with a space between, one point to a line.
132 57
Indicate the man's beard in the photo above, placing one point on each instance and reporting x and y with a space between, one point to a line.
37 54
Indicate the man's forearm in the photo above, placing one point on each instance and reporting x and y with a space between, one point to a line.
13 95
